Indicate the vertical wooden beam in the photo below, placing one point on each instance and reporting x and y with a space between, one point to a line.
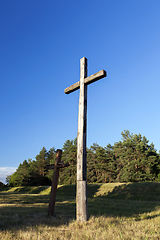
54 184
81 197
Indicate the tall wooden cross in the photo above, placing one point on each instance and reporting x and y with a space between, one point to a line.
81 197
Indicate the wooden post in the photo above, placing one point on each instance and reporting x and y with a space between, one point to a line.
54 183
81 198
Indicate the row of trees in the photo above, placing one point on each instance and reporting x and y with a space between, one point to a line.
130 160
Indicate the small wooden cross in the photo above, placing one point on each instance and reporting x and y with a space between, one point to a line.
81 198
58 164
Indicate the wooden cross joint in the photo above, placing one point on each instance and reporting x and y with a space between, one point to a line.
58 164
87 80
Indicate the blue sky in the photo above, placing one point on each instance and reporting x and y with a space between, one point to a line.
41 43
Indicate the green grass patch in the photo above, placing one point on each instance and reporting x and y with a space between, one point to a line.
28 190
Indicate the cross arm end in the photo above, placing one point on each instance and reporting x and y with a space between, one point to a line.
95 77
72 88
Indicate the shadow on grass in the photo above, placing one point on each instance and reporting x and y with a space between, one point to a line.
127 200
142 191
70 190
19 211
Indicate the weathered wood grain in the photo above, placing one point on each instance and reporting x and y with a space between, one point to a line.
81 145
95 77
88 80
81 197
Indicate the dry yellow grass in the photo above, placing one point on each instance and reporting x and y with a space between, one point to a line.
115 212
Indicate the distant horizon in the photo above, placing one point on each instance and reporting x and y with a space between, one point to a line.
8 170
5 171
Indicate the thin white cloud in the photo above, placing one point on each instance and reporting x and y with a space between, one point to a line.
4 171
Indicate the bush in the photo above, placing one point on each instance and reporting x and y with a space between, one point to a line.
2 184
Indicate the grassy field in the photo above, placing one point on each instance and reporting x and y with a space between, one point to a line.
115 211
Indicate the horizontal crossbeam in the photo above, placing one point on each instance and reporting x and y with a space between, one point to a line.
88 80
59 165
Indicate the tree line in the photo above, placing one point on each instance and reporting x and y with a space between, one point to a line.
130 160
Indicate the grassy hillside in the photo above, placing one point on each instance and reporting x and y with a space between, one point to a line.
115 211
